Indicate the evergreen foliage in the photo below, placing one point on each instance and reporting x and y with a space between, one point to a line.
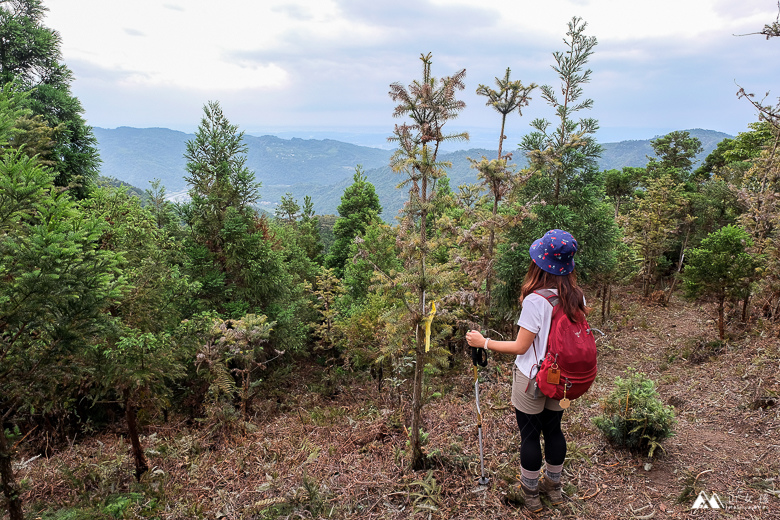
620 186
326 290
723 268
57 284
731 158
511 96
11 111
675 153
219 181
651 226
565 189
31 61
58 280
374 254
359 208
633 416
287 211
151 259
236 256
566 153
236 347
309 227
429 103
761 219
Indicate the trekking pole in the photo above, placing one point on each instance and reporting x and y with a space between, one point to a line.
597 330
479 357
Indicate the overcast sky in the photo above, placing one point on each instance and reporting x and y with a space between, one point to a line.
312 66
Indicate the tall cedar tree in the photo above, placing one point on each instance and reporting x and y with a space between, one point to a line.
566 189
429 103
569 149
311 241
288 210
358 209
30 59
233 253
222 191
219 179
511 96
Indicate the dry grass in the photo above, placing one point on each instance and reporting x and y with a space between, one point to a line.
311 455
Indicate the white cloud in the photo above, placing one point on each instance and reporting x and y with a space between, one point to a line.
330 62
190 45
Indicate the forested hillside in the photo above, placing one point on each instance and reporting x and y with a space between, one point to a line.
142 155
321 169
205 359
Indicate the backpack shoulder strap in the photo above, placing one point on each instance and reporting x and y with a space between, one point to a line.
553 300
548 295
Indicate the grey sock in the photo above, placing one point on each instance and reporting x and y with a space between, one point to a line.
530 479
553 472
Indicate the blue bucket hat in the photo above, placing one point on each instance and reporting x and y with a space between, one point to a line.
554 252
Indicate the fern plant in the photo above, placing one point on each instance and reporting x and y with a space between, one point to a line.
235 348
425 493
633 415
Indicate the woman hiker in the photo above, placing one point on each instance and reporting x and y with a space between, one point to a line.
551 268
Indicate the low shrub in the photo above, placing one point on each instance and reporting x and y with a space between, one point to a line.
633 416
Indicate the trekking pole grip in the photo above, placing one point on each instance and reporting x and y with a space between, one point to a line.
479 356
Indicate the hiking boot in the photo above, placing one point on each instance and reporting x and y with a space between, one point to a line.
551 489
531 497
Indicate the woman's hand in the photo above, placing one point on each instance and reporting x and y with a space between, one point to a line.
475 339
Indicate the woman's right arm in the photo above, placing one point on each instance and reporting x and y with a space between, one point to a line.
519 346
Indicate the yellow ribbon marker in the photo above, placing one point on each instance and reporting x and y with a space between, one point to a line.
428 321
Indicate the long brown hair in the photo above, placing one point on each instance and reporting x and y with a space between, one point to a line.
570 295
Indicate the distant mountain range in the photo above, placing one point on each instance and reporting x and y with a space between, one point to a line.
321 169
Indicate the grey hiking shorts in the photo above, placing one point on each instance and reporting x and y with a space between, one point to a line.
532 401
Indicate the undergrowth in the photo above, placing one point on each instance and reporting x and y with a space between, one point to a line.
633 415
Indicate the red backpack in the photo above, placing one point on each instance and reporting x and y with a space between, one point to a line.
569 367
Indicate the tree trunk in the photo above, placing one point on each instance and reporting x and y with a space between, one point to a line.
679 264
10 488
745 307
721 326
245 394
417 461
141 466
489 269
501 137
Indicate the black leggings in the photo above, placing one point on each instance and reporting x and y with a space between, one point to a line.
547 422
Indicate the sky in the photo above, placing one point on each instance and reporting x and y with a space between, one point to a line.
322 68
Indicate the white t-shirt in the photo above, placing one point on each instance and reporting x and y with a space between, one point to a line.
535 317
